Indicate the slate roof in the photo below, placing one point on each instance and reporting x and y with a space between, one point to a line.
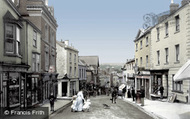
90 60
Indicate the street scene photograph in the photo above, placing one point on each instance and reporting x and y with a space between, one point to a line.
94 59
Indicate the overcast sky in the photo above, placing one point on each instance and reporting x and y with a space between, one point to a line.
106 28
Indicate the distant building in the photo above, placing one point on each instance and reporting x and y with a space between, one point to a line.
82 74
128 73
92 70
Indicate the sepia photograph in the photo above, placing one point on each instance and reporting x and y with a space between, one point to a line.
94 59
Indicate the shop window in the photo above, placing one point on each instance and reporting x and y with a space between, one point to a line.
14 92
177 86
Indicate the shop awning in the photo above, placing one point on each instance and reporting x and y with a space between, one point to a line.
183 73
121 86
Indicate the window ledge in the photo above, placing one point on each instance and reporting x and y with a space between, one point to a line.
13 55
158 40
176 91
166 63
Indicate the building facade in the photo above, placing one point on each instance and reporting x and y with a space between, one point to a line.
82 74
67 67
142 60
128 73
170 51
39 13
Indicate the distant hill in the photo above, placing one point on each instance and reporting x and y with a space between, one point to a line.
115 66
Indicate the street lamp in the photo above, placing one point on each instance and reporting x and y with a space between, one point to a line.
135 69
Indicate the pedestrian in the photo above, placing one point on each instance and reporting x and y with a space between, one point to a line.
114 95
123 92
142 94
52 100
133 93
161 91
79 102
128 93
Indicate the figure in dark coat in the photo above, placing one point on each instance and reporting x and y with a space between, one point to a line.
161 91
133 93
142 95
52 100
114 96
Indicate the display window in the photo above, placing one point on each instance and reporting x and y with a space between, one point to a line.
14 90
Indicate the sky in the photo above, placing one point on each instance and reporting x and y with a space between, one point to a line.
104 28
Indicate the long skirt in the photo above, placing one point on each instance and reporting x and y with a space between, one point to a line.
78 104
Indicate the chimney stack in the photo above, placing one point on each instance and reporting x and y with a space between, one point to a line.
183 2
173 6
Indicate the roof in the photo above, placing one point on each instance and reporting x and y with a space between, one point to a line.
82 62
90 60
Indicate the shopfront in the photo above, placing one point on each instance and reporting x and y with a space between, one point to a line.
33 89
159 78
12 86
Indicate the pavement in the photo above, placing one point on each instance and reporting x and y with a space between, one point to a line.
60 104
162 109
158 109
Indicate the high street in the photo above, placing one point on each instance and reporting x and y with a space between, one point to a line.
120 110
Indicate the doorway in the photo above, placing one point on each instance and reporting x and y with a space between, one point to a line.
64 88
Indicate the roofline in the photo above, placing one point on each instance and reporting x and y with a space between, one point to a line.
13 7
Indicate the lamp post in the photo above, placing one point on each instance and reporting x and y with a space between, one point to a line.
135 69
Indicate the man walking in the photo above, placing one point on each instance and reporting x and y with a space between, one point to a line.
52 100
123 92
142 95
133 93
114 95
161 91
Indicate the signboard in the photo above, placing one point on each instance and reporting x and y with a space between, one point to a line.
51 69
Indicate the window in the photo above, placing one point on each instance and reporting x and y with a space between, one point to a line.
35 38
70 71
177 52
53 39
70 58
75 71
46 33
166 26
35 62
147 60
75 59
166 51
12 39
177 86
141 45
141 61
47 58
158 34
147 41
53 57
158 57
137 47
177 23
137 62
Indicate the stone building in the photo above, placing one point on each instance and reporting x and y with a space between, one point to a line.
67 67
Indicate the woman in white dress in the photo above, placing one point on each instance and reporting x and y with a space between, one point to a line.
79 101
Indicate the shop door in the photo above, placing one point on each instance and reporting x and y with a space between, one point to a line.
64 88
147 89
